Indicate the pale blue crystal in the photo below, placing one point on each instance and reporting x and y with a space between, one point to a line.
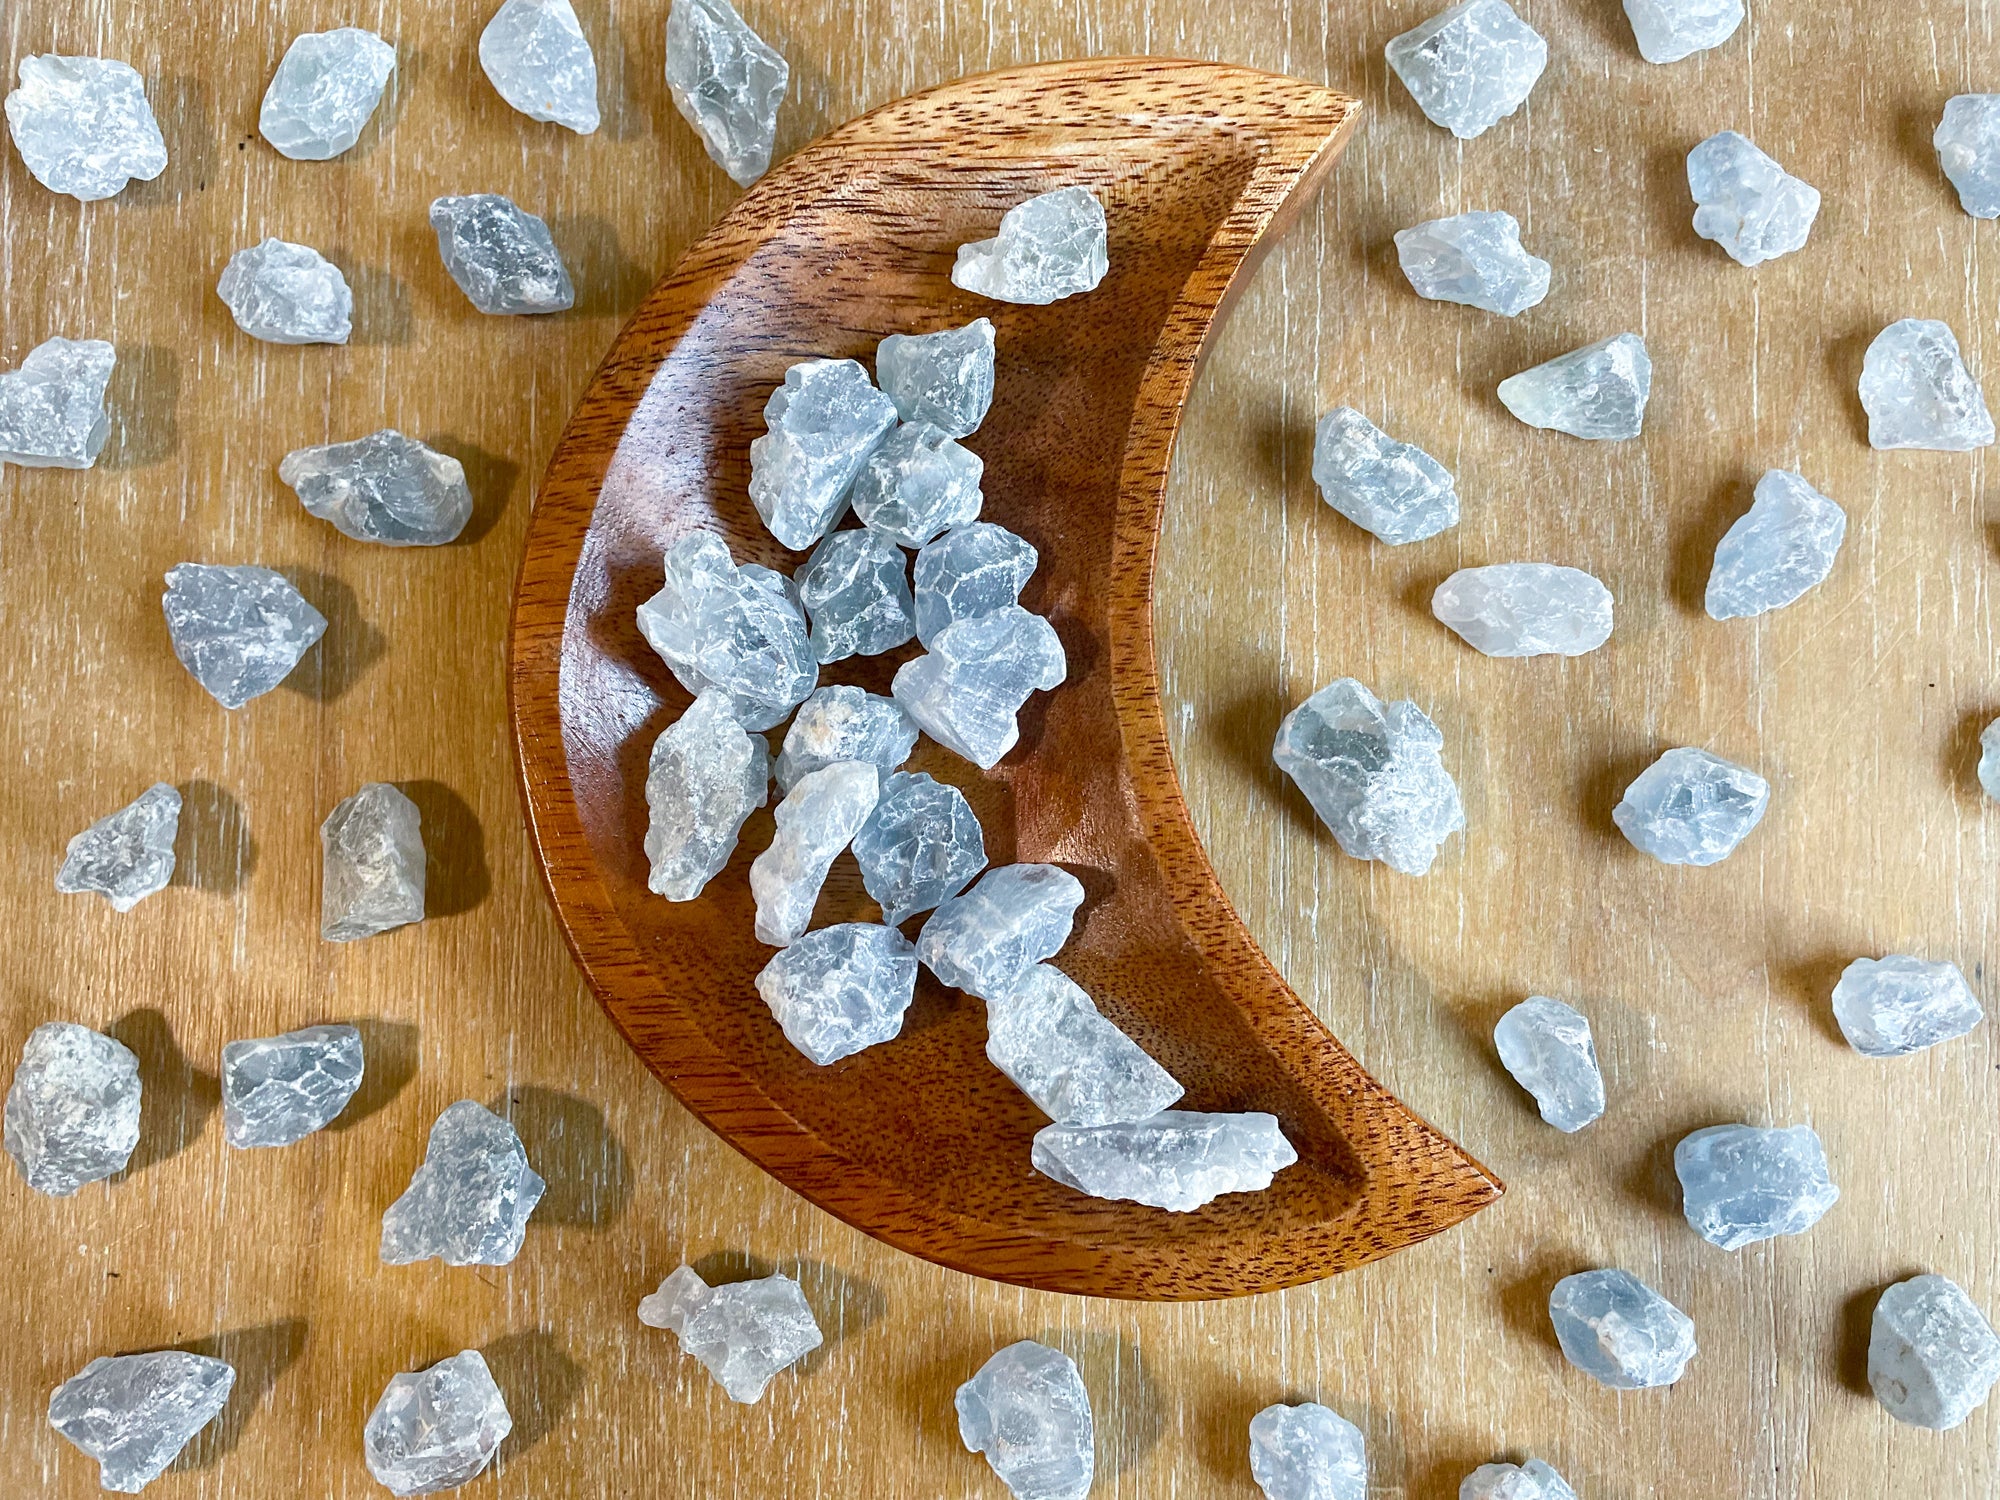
1918 393
743 1332
844 723
1470 66
1473 258
1044 1032
383 488
1891 1007
1052 246
1619 1331
1028 1412
983 941
1547 1047
1669 30
1307 1452
280 1089
134 1413
840 989
727 82
1968 147
820 427
1989 760
72 1113
1691 808
83 126
818 818
1932 1354
943 378
1782 546
324 92
1741 1184
436 1429
468 1204
1599 391
917 483
373 859
855 591
969 572
501 256
539 61
1395 491
1746 202
720 626
967 691
52 407
919 847
127 855
1533 1480
238 630
1177 1160
1525 609
705 776
287 294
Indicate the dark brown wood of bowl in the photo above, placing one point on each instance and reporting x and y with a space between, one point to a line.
920 1142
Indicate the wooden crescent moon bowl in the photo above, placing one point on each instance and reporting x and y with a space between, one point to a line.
920 1141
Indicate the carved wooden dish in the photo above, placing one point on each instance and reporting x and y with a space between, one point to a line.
921 1142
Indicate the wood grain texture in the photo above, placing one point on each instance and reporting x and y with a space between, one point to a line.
1708 988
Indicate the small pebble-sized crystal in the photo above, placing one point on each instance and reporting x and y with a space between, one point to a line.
1373 773
983 941
382 488
1669 30
1533 1480
968 572
706 775
468 1204
1045 1033
1968 147
1048 248
324 92
1473 258
845 723
743 1332
842 988
435 1429
1918 393
917 483
372 847
134 1413
1470 66
1619 1331
1028 1412
1782 546
501 256
820 427
727 82
856 591
1691 808
1932 1354
1989 760
1177 1160
52 406
1744 201
720 626
73 1109
1307 1452
280 1089
539 61
818 818
919 847
128 855
287 294
1740 1184
967 691
1395 491
943 378
1891 1007
1598 391
1547 1047
1525 609
83 126
238 630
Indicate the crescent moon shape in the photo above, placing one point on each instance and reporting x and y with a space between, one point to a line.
921 1142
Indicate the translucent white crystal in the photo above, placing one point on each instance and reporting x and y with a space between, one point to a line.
435 1429
744 1332
324 92
1470 66
856 592
983 941
83 126
1525 609
1989 760
372 848
1547 1047
968 689
1177 1160
1598 391
536 54
845 723
1533 1480
238 630
1932 1354
134 1413
501 256
73 1109
127 855
52 407
1691 808
1668 30
382 488
727 82
970 571
1918 393
917 483
1741 1184
943 378
280 1089
841 988
468 1204
287 294
820 427
1373 773
818 818
1307 1452
1048 1036
720 626
919 847
1473 258
1746 202
1891 1007
1782 546
1619 1331
1968 147
1028 1412
1394 490
706 775
1048 248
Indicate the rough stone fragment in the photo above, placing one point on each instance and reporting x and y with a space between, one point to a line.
324 92
1525 609
1395 491
967 690
1691 808
1918 393
435 1429
1968 147
280 1089
983 941
83 126
1470 66
238 630
1740 1184
856 591
820 427
1533 1480
1619 1331
720 626
372 847
970 571
73 1109
841 988
1547 1047
1744 201
287 294
727 82
743 1332
818 818
1052 246
1989 760
919 847
917 483
539 61
943 378
1475 259
382 488
134 1413
1598 391
1669 30
52 407
845 723
1307 1452
128 855
468 1204
706 775
1891 1007
1373 773
1028 1412
1049 1038
1782 546
1177 1160
501 256
1932 1355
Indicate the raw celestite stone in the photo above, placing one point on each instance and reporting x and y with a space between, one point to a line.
1619 1331
287 294
1989 760
1307 1452
1475 259
820 427
845 723
83 126
1932 1355
1598 391
52 407
1918 393
1547 1047
1394 490
324 92
1782 546
501 256
1373 774
536 54
818 818
73 1109
1526 609
744 1332
967 690
1669 30
983 941
970 571
727 82
435 1429
1746 202
720 626
919 847
1691 808
1048 248
1968 147
1177 1160
238 630
707 774
280 1089
917 483
943 378
1469 67
1049 1038
468 1204
841 988
373 864
1028 1412
134 1413
855 590
382 488
1740 1184
1891 1007
1533 1480
128 855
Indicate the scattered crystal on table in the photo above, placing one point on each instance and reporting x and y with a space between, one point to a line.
983 941
1968 147
1047 1035
1744 201
917 483
134 1413
72 1112
1307 1452
1691 808
280 1089
1475 259
1784 545
1669 30
820 427
1053 246
840 989
1932 1354
1525 609
720 626
727 82
1598 392
943 378
382 488
845 723
372 848
919 847
52 405
468 1204
1177 1160
967 691
435 1429
127 855
1469 67
324 92
1989 760
1619 1331
1891 1007
83 126
1395 491
501 256
1918 393
1547 1047
540 62
970 571
817 819
287 294
1029 1414
238 630
1533 1480
1741 1184
743 1332
706 775
856 592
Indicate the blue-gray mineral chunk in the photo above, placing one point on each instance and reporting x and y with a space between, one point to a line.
1525 609
1919 394
1469 67
1307 1452
919 847
238 630
501 256
969 572
1547 1047
1598 392
967 691
856 592
52 407
324 92
1177 1160
1968 147
819 428
943 378
73 1109
743 1332
1741 1184
539 61
727 82
287 294
1691 808
128 855
1533 1480
845 723
1048 248
83 126
707 774
280 1089
382 488
1744 201
1395 491
840 989
1932 1354
1669 30
1619 1331
1475 259
1891 1007
468 1204
983 941
1053 1043
916 484
818 818
737 629
1028 1412
435 1429
372 848
134 1413
1782 546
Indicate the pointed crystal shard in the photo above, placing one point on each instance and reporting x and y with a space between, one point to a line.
72 1113
1932 1354
324 92
1525 609
238 630
83 126
743 1332
820 427
1748 204
127 855
52 407
1891 1007
383 488
943 378
1027 1411
1053 246
1691 808
436 1429
916 484
1968 148
501 256
727 82
1475 259
469 1203
372 848
983 941
706 776
1547 1047
1781 547
1741 1184
134 1413
1533 1480
1177 1160
1619 1331
856 592
720 626
844 723
1052 1042
967 691
818 818
1597 392
840 989
1918 393
919 847
1395 491
287 294
540 62
970 571
1307 1452
1469 67
277 1090
1669 30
